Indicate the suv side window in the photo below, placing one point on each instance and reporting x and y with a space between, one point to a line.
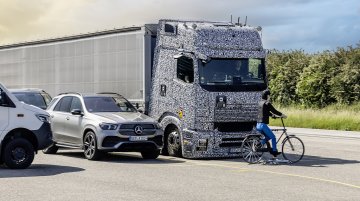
76 104
64 104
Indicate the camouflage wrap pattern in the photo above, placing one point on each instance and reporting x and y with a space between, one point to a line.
190 107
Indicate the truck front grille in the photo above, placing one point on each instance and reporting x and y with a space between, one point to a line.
234 126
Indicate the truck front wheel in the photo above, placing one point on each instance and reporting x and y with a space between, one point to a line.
18 154
174 144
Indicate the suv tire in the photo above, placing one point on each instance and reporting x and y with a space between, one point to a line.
91 151
153 154
52 149
18 153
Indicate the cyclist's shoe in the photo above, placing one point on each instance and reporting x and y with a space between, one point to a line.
275 153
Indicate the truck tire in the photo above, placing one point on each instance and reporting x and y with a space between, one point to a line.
153 154
52 149
18 153
91 151
174 144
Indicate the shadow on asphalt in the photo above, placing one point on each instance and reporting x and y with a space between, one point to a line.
317 161
307 161
37 170
122 157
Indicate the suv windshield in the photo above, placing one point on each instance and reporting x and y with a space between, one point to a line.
108 104
232 74
33 98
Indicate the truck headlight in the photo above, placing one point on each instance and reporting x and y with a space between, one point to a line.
108 126
43 118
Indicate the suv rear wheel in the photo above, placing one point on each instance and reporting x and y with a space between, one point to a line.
52 149
18 153
91 151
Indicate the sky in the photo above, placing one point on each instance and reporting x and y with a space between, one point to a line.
309 25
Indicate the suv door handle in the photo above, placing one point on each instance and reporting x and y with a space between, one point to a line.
67 118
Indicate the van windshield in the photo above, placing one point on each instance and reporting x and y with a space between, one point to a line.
232 74
32 98
108 104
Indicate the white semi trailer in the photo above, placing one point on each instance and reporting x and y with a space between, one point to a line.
201 80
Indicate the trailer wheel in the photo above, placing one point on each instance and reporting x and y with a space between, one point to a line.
174 144
18 153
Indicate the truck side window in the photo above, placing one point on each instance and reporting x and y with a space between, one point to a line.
185 69
169 28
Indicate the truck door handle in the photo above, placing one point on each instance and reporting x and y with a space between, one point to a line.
67 118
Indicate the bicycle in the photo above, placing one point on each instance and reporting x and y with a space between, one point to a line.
252 149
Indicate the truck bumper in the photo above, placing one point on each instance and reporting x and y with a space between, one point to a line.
212 144
43 136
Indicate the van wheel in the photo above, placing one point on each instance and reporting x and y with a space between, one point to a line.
52 149
18 154
153 154
91 151
174 144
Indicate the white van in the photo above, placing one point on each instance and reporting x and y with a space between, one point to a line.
24 129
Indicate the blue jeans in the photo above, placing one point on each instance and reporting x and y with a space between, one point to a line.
264 129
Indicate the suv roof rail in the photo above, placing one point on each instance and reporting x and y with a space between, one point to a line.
110 93
69 93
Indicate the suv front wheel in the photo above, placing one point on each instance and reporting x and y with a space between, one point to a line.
91 151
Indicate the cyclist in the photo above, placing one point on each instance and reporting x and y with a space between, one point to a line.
266 109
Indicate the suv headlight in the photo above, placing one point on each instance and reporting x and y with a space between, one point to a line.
43 117
108 126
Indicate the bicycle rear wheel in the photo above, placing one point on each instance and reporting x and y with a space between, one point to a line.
249 149
293 149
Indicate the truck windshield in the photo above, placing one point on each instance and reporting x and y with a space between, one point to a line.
108 104
232 74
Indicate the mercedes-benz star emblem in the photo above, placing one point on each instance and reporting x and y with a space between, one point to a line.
138 130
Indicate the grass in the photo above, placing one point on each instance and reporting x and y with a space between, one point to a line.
334 117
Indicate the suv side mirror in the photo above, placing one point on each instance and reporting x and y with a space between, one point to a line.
77 112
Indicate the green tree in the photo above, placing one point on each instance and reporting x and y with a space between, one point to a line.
315 81
285 69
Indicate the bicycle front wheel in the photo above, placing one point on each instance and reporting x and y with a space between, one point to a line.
293 149
249 149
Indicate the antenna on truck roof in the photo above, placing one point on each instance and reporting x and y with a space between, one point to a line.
231 18
245 21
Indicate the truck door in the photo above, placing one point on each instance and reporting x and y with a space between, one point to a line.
4 111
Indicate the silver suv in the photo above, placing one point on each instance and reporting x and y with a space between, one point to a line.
100 123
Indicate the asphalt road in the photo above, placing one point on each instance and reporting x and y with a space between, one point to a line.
329 171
